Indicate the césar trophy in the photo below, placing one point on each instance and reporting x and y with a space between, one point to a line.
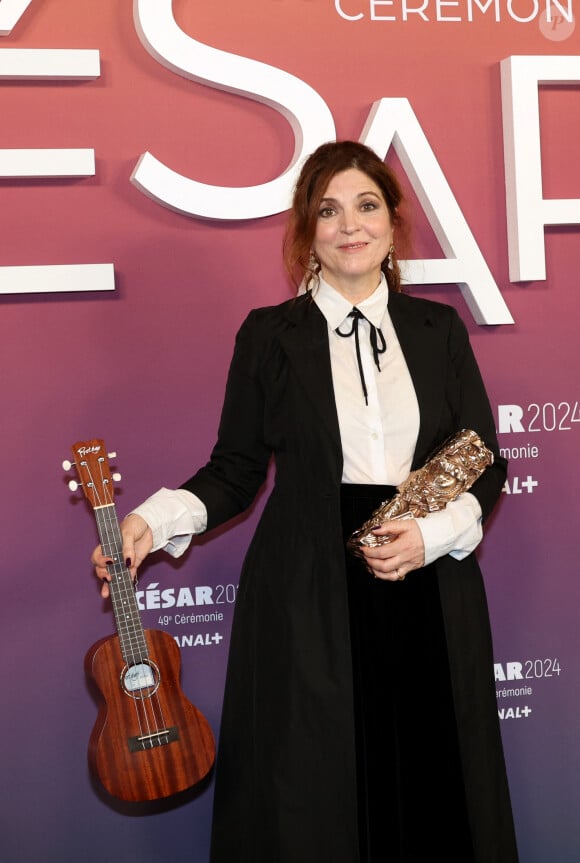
452 470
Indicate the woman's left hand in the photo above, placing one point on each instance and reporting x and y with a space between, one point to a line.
405 551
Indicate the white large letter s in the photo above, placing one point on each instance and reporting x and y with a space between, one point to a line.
11 13
302 106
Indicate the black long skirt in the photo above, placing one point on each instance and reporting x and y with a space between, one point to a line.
411 796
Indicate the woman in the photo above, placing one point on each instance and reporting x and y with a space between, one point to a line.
359 720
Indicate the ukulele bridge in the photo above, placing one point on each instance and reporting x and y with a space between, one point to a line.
151 741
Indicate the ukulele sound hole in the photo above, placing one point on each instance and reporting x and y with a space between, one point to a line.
140 680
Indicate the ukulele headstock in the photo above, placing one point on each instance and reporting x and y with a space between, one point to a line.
91 460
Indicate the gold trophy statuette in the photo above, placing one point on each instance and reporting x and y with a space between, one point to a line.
448 473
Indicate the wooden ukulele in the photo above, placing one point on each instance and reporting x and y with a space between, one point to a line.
149 741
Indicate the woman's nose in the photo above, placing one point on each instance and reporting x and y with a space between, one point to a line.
350 222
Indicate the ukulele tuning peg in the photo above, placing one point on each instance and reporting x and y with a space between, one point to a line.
73 485
112 454
116 477
66 465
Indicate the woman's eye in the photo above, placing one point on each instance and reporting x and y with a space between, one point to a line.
326 212
368 205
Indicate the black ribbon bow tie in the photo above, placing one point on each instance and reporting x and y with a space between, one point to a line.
378 344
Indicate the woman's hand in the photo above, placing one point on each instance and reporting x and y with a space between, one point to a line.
405 551
137 543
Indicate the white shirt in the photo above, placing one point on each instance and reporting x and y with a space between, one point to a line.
378 439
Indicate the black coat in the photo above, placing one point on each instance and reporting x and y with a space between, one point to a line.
285 784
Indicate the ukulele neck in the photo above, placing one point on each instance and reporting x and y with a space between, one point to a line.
127 618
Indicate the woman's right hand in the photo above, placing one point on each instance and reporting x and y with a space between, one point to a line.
137 543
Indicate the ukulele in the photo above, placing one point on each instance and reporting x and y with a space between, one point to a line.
149 741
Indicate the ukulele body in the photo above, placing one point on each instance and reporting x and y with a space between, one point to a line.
148 741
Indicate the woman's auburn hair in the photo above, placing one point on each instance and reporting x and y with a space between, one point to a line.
317 172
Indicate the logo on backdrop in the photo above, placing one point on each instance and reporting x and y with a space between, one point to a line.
519 682
528 420
193 614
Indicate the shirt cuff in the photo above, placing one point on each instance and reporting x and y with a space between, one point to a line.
455 530
174 516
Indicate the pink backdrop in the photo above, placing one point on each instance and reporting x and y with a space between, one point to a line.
144 368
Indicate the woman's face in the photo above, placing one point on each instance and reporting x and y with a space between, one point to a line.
353 233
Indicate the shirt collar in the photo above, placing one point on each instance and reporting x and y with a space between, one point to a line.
336 308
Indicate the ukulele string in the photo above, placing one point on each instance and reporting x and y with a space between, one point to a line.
133 648
148 708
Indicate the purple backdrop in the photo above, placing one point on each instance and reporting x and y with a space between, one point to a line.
144 368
